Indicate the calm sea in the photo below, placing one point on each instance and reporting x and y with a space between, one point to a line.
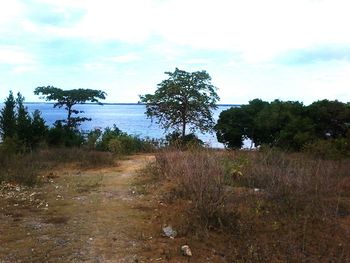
129 118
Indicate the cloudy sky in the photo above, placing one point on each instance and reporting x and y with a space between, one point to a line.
285 49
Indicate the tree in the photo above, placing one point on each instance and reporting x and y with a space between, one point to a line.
69 98
184 100
282 124
18 128
331 118
8 118
23 122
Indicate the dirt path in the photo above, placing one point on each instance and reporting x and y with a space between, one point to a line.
79 216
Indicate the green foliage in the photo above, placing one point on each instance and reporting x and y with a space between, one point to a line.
24 122
60 135
185 99
288 125
121 143
69 98
8 117
92 138
188 141
331 118
17 127
38 129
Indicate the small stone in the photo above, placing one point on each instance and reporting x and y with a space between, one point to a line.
169 231
186 251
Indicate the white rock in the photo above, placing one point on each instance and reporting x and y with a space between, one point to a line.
186 251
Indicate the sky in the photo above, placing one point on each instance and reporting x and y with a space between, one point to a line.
271 49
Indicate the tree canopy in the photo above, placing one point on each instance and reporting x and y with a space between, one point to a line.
289 125
69 98
184 100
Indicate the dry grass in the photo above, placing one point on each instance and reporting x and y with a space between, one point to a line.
26 168
199 177
260 206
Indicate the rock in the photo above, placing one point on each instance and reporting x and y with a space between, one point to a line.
169 232
186 251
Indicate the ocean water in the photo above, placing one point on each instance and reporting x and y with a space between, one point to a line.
129 118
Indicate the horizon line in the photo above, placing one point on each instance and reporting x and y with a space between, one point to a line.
121 103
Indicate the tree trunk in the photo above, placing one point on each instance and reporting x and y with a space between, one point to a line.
183 128
69 122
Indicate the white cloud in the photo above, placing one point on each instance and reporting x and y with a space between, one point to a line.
15 56
10 11
258 29
127 58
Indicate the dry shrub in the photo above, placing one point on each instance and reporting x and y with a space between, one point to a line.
200 179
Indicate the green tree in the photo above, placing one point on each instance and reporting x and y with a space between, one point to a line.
184 100
69 98
8 118
239 123
331 118
18 128
39 129
282 124
23 122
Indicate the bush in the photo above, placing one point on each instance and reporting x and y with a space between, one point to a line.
60 135
120 143
187 142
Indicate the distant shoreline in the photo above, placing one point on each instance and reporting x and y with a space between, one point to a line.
126 103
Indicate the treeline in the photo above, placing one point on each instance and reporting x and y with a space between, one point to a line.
288 125
22 132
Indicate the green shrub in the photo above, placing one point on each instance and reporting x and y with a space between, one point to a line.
189 141
60 135
120 143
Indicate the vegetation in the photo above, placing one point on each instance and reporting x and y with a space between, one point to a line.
265 206
20 132
118 142
69 98
288 125
184 100
273 204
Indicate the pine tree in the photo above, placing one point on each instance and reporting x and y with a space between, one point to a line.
23 122
8 118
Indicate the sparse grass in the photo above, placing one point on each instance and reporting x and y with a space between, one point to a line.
273 206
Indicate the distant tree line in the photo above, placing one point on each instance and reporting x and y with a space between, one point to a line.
185 102
289 125
22 132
